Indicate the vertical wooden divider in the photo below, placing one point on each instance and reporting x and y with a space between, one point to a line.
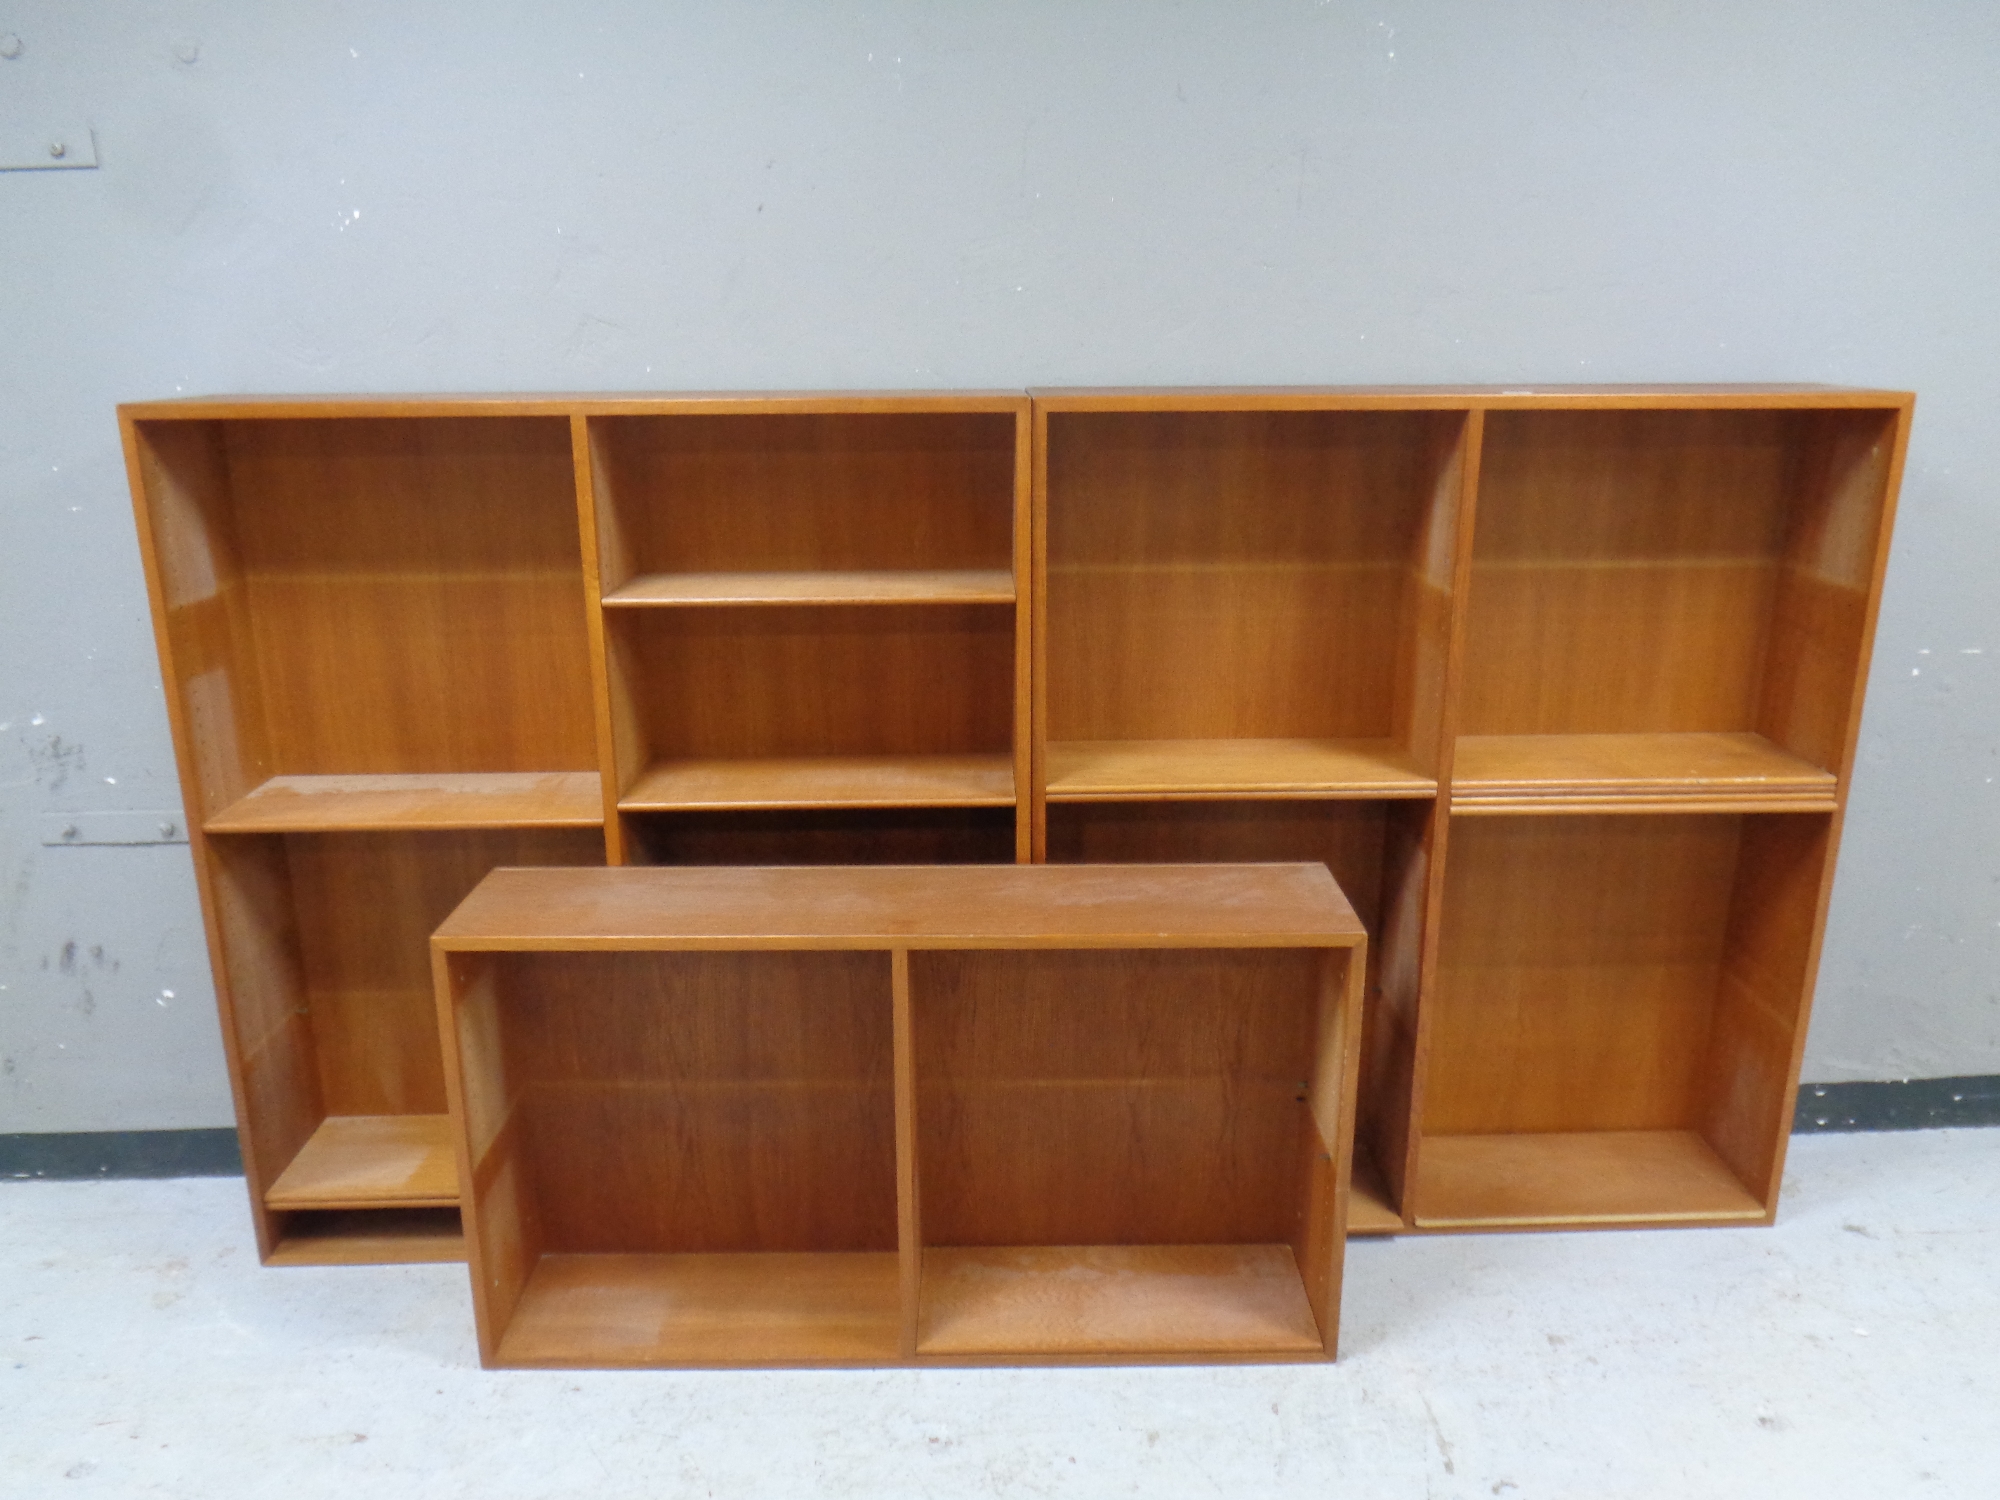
1038 661
909 1223
1027 604
1440 830
593 610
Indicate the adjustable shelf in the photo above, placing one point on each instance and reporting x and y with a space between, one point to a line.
878 1116
371 1161
1147 770
337 804
1552 773
824 781
899 586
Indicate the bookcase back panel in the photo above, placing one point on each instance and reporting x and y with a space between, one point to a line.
783 492
876 680
1578 972
833 836
1346 837
365 906
1246 574
694 1102
1061 1095
416 594
1676 571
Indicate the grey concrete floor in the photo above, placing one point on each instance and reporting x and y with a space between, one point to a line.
1854 1350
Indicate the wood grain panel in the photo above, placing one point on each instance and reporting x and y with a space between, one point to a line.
826 491
1148 769
1551 773
1567 1181
516 799
368 1237
899 586
417 594
1625 569
188 528
611 1311
366 905
706 1102
1749 1072
367 1161
1234 574
1061 1095
1116 1300
829 781
1346 837
1580 959
874 680
875 836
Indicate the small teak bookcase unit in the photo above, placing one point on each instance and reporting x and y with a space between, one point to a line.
892 1114
1563 686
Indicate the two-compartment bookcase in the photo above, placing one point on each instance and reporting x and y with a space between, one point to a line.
903 1114
407 640
1562 685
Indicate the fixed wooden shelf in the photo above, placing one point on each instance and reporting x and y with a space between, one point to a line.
1146 770
371 1161
897 586
1200 1301
714 1310
891 1115
1574 1180
332 804
824 781
1555 773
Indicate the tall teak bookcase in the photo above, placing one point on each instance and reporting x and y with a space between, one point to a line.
1562 685
407 641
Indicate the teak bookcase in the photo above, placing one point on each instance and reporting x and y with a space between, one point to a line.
407 641
880 1115
1562 685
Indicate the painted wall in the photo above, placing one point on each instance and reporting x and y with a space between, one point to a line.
385 197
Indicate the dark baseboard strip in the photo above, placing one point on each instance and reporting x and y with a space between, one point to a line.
75 1155
1914 1104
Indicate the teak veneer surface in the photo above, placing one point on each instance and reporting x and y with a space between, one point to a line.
830 781
495 799
368 1161
1130 770
717 1310
1608 772
823 586
1116 1300
1578 1180
1180 906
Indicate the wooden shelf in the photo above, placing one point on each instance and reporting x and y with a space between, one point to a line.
1578 1180
1580 773
371 1161
830 781
1145 770
329 804
1117 1301
893 586
369 1237
1369 1210
594 1311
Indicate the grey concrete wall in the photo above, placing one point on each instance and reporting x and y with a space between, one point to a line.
388 197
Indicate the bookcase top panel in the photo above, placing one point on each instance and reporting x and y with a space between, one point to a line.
580 403
1020 906
1441 397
